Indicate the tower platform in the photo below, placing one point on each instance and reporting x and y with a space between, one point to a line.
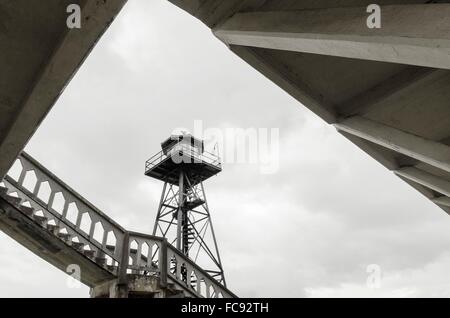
182 154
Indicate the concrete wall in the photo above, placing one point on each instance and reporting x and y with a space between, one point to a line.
39 56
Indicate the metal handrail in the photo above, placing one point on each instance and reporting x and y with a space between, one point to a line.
203 157
200 271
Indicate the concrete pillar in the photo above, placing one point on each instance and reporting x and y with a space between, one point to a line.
110 289
144 286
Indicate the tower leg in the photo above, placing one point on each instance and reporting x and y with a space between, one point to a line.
161 202
213 236
180 209
184 219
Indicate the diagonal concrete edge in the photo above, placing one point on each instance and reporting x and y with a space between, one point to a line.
54 75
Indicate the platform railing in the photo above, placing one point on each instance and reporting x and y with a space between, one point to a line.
82 223
185 152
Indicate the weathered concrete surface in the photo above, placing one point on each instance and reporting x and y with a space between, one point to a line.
343 32
39 55
386 90
137 286
44 244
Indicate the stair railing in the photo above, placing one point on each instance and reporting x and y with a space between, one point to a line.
128 253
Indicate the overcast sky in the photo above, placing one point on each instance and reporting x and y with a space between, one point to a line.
309 229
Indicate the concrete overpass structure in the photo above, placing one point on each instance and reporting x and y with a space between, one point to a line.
39 55
386 89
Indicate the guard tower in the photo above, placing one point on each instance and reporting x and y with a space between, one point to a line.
183 216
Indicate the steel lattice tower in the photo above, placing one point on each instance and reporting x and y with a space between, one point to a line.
183 215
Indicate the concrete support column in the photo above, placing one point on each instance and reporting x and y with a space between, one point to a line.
143 286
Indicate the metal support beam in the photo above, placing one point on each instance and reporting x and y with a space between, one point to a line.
194 236
344 32
180 209
161 201
214 236
427 151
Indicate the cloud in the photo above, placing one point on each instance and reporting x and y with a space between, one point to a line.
430 281
310 229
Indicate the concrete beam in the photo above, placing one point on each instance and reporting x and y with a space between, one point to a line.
212 12
442 201
343 32
427 192
400 84
54 75
427 151
382 155
296 87
426 179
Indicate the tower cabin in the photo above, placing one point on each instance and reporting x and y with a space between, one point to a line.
183 153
